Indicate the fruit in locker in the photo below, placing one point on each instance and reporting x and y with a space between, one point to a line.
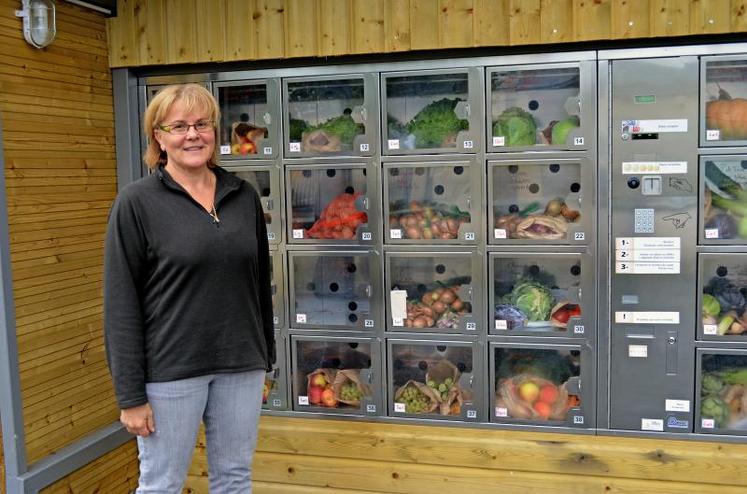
548 393
543 409
315 394
318 379
328 398
350 391
528 391
415 400
266 390
247 147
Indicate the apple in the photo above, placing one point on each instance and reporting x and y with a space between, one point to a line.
543 409
528 391
236 149
247 148
318 379
315 394
548 393
328 398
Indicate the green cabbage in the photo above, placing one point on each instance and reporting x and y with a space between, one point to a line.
711 307
533 299
436 124
517 126
561 129
715 408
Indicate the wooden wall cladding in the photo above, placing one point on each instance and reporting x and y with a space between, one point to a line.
60 171
114 473
156 32
314 456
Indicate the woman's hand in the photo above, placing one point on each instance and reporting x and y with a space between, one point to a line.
138 420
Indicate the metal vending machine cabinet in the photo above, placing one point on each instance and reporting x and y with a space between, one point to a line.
653 138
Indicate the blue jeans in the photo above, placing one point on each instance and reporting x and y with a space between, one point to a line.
229 405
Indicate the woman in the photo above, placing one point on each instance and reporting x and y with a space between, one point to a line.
187 302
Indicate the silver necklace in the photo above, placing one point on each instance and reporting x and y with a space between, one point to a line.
214 213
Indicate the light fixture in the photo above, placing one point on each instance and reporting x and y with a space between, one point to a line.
38 22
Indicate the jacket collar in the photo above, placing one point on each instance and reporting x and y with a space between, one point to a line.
225 182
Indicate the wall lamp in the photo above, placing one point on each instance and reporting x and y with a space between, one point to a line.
38 22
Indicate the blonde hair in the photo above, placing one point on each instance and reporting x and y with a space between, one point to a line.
192 97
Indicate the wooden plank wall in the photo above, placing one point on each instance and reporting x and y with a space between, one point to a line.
60 172
148 32
314 456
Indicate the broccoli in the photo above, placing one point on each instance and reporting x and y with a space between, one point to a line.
436 124
296 128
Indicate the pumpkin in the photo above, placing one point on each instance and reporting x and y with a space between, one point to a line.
729 115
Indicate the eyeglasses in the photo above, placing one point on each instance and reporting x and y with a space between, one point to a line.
181 128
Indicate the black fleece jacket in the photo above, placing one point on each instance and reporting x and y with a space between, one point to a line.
185 295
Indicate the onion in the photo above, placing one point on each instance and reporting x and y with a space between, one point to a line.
427 299
408 323
427 311
453 226
457 304
411 220
447 236
430 322
447 296
435 230
412 232
420 322
439 307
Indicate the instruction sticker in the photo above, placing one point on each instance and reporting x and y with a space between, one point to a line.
638 351
657 167
652 425
623 317
654 126
677 405
398 306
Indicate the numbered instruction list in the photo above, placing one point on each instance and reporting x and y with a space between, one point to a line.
647 255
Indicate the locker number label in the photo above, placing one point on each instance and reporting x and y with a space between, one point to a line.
303 400
469 236
471 326
471 414
579 236
369 323
225 149
277 403
366 236
295 147
370 408
469 144
301 318
578 141
267 150
578 329
365 147
297 233
710 329
399 408
713 135
270 235
275 320
578 419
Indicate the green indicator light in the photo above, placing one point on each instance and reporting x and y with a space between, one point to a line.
646 99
